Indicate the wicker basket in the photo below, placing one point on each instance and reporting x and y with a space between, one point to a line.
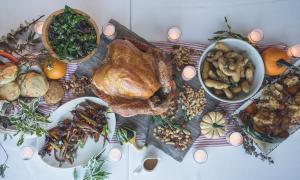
46 42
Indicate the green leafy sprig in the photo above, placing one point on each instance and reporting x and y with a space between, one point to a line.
125 132
29 120
164 122
228 33
94 169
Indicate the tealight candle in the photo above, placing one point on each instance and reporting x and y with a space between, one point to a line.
174 34
115 154
109 30
38 27
256 35
294 51
188 73
26 152
200 156
235 138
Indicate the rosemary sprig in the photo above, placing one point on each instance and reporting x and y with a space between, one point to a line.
228 33
29 120
164 122
3 166
94 169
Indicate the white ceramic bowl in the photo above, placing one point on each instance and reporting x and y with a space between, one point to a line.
254 56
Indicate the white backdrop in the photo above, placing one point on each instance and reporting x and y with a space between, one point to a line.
280 20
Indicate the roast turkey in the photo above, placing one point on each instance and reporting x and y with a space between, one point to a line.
135 78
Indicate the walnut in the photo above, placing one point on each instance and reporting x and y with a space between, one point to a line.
182 56
193 101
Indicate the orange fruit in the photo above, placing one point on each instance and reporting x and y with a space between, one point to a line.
270 57
54 69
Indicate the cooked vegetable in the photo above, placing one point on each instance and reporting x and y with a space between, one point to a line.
89 120
71 35
226 70
215 84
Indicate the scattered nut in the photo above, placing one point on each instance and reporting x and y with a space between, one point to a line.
182 56
193 101
179 138
76 85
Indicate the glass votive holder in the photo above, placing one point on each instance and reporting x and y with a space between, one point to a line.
188 73
109 30
200 156
27 152
174 34
256 35
235 138
115 154
38 27
294 51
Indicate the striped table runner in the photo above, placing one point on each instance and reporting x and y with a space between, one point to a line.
167 47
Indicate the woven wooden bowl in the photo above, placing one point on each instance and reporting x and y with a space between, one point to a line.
46 42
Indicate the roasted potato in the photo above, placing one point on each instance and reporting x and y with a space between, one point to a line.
227 72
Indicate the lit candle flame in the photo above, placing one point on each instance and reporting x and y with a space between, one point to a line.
174 34
255 35
294 51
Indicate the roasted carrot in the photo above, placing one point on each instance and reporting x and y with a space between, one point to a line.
9 56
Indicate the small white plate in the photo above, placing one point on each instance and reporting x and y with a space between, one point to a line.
91 148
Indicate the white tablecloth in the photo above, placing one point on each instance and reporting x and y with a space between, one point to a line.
198 19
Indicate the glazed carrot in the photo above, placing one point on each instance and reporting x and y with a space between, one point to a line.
251 108
292 89
9 57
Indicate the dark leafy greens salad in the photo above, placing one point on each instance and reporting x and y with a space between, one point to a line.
71 35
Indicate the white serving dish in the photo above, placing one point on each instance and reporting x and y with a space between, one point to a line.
254 56
265 147
91 148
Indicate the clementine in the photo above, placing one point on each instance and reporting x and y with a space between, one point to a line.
271 56
54 69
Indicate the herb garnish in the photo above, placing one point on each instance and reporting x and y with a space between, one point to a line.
71 35
228 33
94 169
29 120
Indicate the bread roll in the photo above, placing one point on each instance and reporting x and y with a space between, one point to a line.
10 91
8 73
55 93
33 84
